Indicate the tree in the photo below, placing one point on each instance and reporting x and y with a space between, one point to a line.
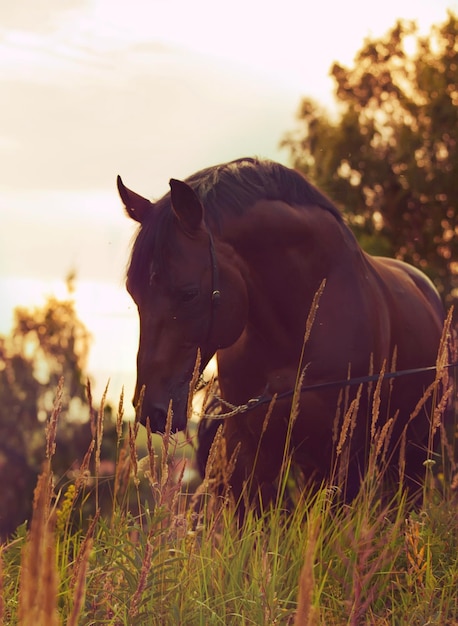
46 343
390 160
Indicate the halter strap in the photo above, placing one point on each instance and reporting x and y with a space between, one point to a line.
216 293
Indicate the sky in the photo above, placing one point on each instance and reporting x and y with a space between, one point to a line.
149 89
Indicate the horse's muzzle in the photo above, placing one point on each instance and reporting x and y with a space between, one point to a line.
157 416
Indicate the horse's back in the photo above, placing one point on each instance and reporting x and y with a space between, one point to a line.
424 285
415 311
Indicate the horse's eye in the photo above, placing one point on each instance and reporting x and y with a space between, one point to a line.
189 294
153 278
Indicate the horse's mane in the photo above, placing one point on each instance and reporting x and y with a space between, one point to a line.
229 187
236 185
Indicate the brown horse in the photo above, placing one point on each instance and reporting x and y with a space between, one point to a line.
229 262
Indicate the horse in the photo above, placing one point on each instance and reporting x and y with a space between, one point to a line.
229 262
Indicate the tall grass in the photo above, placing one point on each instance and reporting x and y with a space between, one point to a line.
160 554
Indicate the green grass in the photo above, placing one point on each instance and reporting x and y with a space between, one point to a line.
150 558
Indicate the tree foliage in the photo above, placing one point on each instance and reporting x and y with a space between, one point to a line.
390 160
45 344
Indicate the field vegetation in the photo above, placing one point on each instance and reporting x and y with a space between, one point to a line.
158 551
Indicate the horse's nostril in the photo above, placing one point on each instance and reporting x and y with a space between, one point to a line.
157 417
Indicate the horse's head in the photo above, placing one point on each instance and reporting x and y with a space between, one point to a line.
190 296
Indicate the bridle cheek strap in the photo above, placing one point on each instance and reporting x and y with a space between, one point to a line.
215 293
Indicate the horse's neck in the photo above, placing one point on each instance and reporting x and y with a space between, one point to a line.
286 252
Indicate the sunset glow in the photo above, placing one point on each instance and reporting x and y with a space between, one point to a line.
149 90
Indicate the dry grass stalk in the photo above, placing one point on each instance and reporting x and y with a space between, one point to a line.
394 362
365 548
313 310
306 613
342 451
83 552
268 415
342 408
176 490
152 472
301 370
265 579
308 329
167 489
92 413
442 380
422 402
446 346
265 424
51 425
212 478
80 573
415 552
348 423
192 385
84 473
440 409
383 438
165 446
133 431
38 585
99 433
347 388
335 425
139 405
380 436
295 405
216 482
229 467
122 474
215 449
403 440
210 389
402 457
119 418
142 579
376 401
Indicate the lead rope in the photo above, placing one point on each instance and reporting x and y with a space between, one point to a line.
265 399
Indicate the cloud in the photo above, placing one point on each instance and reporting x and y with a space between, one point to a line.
84 97
39 17
91 89
150 110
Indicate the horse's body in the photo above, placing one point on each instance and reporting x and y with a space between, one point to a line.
264 238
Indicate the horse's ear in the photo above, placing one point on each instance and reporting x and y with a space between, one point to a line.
137 207
186 205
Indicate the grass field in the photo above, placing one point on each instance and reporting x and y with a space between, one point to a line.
158 553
